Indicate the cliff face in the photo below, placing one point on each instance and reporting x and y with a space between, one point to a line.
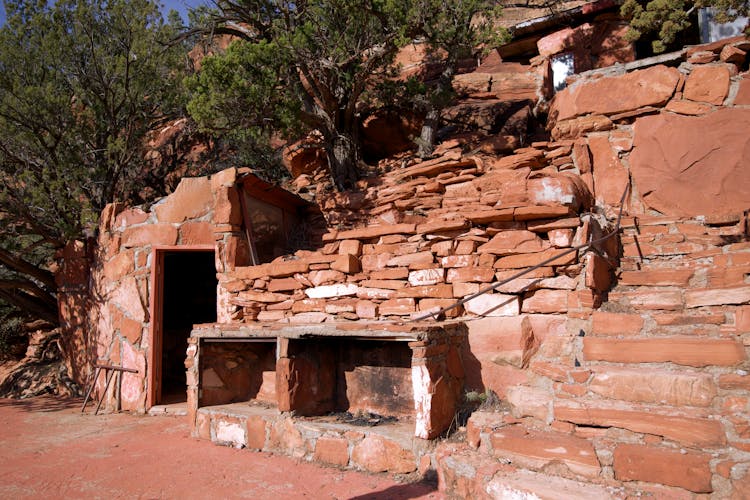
624 366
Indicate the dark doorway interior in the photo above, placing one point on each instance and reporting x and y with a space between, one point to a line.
189 298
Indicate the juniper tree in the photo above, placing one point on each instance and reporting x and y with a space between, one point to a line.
316 65
666 19
81 83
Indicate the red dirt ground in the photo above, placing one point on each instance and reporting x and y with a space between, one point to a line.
49 449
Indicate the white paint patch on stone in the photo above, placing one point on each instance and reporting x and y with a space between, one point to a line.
230 433
552 192
503 492
224 306
423 277
496 304
420 379
328 291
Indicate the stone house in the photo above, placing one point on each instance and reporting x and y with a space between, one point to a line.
621 366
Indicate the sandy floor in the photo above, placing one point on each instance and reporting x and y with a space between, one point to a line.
49 449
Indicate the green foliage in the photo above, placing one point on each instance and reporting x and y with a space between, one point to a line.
81 83
666 19
318 65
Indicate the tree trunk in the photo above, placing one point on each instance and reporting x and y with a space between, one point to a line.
437 99
429 130
343 159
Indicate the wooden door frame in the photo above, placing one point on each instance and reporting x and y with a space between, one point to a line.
156 315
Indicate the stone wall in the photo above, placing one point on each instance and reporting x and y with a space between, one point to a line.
117 328
647 392
623 368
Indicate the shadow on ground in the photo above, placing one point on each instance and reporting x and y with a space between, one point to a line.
400 492
45 404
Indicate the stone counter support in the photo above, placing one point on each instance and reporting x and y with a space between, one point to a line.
319 367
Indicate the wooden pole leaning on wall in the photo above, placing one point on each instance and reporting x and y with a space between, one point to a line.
109 371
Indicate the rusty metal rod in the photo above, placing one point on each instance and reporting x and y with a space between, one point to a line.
117 368
495 286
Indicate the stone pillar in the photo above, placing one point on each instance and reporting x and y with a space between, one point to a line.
437 380
192 367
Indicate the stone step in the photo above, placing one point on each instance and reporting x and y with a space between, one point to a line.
467 473
673 405
579 447
387 447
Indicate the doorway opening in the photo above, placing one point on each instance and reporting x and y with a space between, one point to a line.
187 284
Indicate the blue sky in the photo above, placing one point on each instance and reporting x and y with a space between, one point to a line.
180 6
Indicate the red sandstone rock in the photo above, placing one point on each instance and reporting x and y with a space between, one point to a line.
457 261
733 55
151 234
352 247
128 299
610 176
119 266
688 107
227 207
560 189
398 307
283 284
374 232
546 302
129 217
196 233
191 199
493 304
131 329
611 95
530 158
430 304
346 263
426 277
598 276
286 437
687 470
743 93
562 40
256 432
325 277
528 260
438 226
657 277
677 167
470 274
717 296
708 84
330 450
378 454
536 449
508 85
689 431
679 350
655 300
440 291
418 259
513 242
580 126
606 323
366 309
654 386
540 212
